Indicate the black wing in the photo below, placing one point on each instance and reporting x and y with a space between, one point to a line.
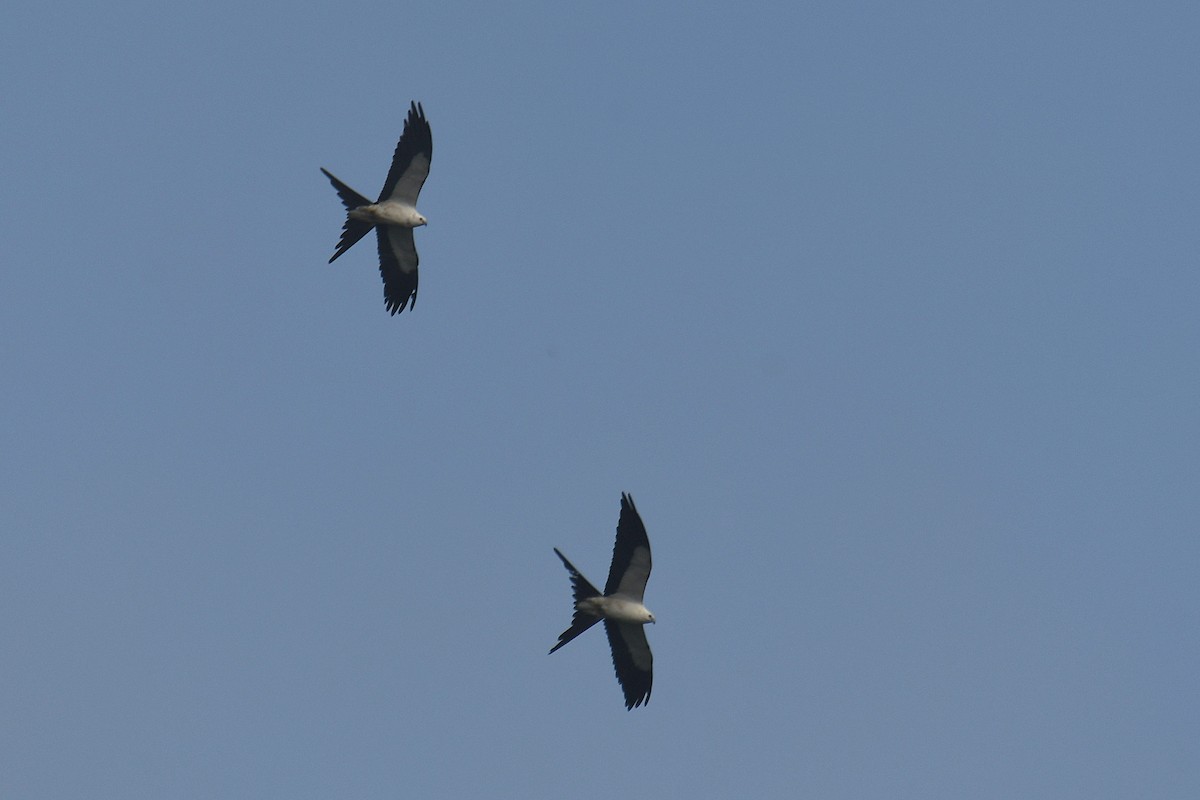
410 162
632 660
397 266
631 554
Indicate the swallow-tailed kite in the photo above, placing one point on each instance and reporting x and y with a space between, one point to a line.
394 214
620 606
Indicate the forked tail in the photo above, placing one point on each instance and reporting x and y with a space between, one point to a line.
353 229
582 589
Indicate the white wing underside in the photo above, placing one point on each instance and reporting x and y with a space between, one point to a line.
639 648
410 183
403 247
633 582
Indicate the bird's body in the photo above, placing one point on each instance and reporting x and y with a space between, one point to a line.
620 606
388 213
618 609
394 215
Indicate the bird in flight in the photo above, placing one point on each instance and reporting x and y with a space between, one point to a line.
620 606
394 214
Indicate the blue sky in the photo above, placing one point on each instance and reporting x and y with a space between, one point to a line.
885 314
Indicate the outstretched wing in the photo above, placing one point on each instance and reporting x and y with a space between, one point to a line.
397 266
631 555
582 589
410 163
632 660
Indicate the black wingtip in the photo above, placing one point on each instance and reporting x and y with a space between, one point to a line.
395 303
416 126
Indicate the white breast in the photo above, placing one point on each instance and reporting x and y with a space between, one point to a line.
389 213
